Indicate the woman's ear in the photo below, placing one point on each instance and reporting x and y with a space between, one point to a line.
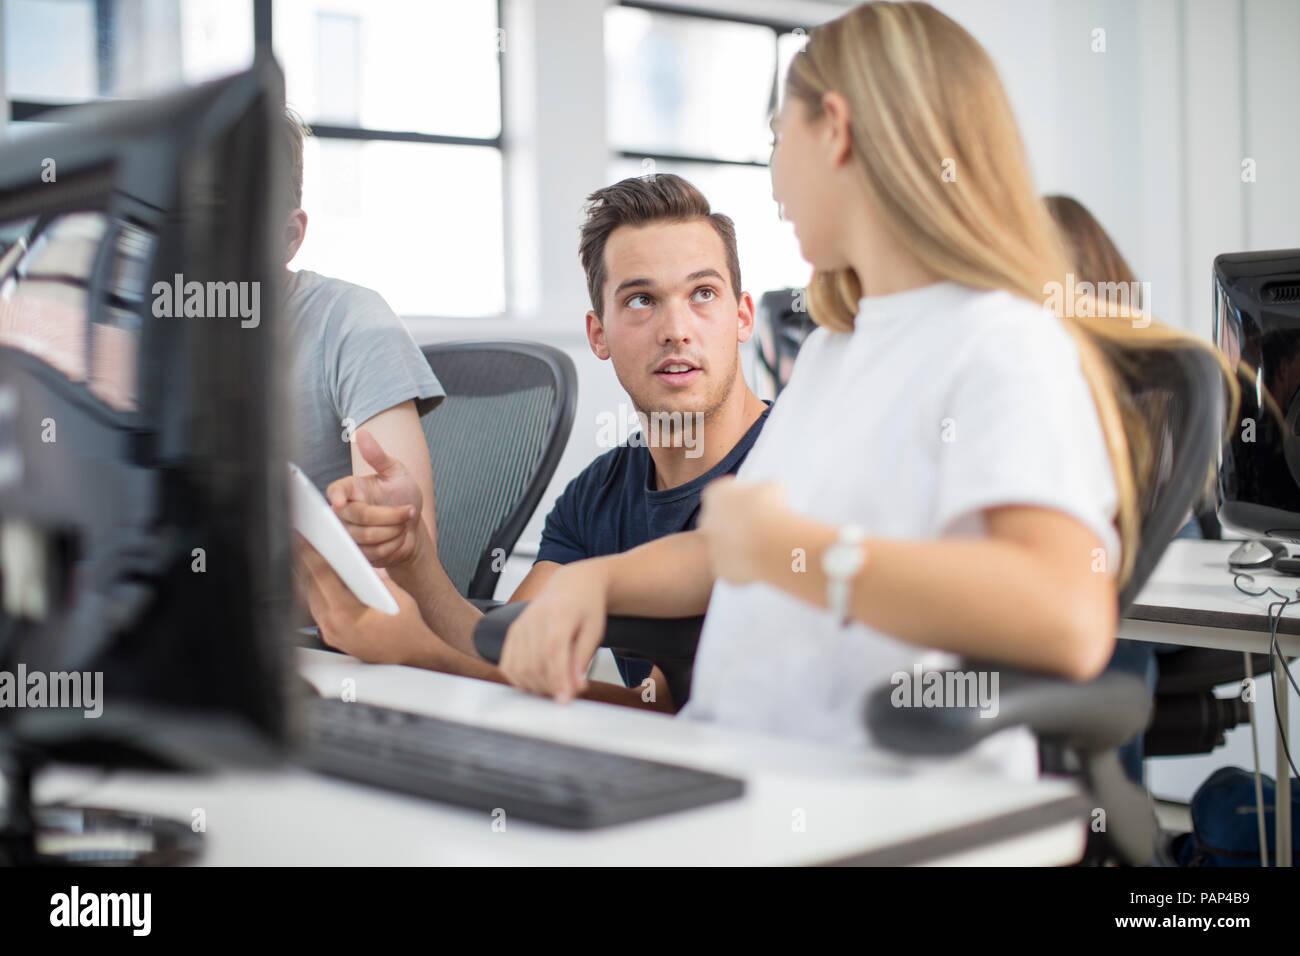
836 131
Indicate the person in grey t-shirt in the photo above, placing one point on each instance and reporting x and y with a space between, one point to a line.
353 365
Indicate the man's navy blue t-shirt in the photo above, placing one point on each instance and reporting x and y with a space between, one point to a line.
613 506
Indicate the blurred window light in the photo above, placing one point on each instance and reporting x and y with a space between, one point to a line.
688 85
787 45
420 223
692 94
427 67
72 51
403 179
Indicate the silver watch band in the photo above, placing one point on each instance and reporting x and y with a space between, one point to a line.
841 563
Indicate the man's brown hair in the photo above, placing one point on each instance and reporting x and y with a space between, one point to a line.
295 131
639 201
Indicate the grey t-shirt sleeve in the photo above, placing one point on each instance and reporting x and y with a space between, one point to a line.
372 362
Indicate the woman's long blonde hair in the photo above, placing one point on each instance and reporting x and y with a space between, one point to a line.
937 143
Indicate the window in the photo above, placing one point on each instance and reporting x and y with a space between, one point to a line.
70 51
403 179
692 94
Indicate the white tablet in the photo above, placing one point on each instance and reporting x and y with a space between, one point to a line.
314 519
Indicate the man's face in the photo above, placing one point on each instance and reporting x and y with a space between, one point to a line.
672 322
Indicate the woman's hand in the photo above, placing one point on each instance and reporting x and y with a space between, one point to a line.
738 521
549 646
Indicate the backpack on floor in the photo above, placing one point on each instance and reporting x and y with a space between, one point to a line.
1225 831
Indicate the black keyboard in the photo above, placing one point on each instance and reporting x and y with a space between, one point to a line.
486 770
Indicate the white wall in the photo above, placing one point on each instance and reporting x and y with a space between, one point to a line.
1151 134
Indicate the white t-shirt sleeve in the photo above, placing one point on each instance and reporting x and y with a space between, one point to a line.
1019 427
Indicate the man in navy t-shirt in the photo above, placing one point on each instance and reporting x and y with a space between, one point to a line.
668 311
616 503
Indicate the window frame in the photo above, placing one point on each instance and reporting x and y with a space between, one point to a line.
779 29
263 17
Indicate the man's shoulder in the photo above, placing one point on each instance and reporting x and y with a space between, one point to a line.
611 468
593 506
337 300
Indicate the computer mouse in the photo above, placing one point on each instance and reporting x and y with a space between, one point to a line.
1255 554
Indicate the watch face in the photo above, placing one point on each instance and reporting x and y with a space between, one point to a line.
841 560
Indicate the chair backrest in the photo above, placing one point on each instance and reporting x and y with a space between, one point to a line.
783 324
494 442
1181 391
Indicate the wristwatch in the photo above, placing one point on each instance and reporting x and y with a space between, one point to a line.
840 563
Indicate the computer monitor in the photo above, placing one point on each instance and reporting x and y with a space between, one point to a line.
142 533
1257 326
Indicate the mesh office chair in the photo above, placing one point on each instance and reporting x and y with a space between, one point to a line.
783 323
494 442
1080 725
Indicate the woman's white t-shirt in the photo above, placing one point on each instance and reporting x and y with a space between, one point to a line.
942 402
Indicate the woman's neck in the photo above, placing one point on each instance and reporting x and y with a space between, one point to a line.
884 267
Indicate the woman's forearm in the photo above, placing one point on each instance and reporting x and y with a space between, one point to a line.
981 597
667 577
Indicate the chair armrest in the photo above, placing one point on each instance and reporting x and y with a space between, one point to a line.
1088 716
1082 722
668 642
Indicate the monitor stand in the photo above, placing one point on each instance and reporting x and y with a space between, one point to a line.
61 835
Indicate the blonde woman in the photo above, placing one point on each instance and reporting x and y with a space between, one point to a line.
948 468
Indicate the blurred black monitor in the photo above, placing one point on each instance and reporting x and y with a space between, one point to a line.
1257 326
142 532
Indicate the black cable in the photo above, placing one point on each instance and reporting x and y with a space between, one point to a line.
1276 652
1275 612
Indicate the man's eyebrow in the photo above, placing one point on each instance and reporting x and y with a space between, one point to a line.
649 283
633 284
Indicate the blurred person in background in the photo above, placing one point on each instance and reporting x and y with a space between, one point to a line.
1097 260
352 365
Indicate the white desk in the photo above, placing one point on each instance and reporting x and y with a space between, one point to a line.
1190 599
855 808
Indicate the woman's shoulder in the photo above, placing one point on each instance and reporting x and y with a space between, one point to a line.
998 323
1002 308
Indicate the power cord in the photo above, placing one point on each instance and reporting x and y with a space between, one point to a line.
1254 751
1275 611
